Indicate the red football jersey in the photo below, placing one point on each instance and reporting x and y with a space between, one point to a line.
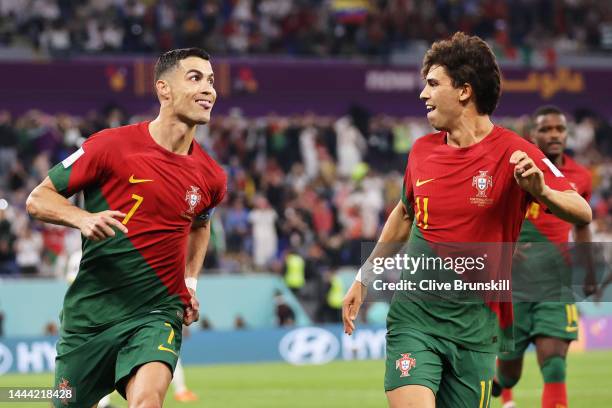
468 195
161 193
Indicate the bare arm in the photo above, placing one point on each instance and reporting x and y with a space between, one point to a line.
197 244
567 205
46 204
394 235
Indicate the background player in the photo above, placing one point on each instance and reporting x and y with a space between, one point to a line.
540 264
442 354
149 192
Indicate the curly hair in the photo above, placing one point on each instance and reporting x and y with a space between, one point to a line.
468 59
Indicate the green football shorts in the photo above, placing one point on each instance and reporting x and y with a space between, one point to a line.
94 364
459 378
546 319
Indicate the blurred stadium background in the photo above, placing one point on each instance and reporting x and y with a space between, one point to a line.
317 110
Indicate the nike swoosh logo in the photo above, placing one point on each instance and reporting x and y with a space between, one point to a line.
136 181
162 348
419 183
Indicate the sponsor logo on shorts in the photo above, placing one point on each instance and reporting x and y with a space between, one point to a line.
405 364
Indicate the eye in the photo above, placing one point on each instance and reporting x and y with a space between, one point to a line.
211 81
194 78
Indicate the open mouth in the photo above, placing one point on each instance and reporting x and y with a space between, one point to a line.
430 108
204 103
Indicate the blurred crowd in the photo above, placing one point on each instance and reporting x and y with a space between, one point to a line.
304 192
367 28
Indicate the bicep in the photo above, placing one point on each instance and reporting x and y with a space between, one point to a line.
47 184
406 211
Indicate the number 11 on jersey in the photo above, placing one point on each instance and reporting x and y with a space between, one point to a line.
422 222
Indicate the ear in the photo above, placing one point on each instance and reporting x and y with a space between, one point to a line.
465 92
163 89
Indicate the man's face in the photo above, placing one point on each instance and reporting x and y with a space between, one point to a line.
441 98
192 92
550 133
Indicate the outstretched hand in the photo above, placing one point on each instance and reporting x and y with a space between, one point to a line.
192 312
351 304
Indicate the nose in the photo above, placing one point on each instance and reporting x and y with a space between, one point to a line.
424 95
209 90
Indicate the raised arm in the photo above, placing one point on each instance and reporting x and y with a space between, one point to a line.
46 204
394 235
567 205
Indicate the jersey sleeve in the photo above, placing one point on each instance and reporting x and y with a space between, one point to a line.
217 197
86 167
587 189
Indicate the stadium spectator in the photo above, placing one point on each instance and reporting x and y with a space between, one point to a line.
326 215
7 246
29 246
285 316
265 241
239 323
530 32
295 268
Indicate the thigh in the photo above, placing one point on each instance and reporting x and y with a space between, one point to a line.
558 320
85 364
148 384
411 360
547 347
466 380
157 338
411 396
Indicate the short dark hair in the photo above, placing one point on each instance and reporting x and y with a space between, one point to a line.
468 59
546 110
170 59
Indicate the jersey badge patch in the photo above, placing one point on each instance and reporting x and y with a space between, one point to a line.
405 364
482 182
66 390
193 198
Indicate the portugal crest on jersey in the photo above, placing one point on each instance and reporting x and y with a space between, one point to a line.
405 364
193 198
482 182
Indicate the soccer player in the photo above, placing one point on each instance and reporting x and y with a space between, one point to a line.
149 192
540 263
469 182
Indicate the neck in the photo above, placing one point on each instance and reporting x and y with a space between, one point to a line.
172 134
469 130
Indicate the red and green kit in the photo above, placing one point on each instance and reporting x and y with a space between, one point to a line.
463 199
161 193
